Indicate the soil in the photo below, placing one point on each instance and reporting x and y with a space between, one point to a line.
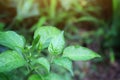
105 72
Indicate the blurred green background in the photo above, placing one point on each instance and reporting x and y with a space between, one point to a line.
91 23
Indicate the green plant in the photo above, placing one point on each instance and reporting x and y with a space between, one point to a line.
70 11
47 49
107 32
110 32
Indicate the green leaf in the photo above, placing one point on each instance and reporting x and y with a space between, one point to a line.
40 22
12 40
88 19
77 53
35 41
10 60
57 44
44 63
65 63
34 77
46 33
53 76
3 76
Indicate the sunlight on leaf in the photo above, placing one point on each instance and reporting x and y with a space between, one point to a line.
12 40
57 44
43 62
46 33
34 77
53 76
65 63
10 60
79 53
27 8
66 4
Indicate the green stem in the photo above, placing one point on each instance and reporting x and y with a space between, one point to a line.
39 75
51 59
112 56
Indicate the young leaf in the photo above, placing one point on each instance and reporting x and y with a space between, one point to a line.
64 62
57 44
46 33
35 41
11 40
10 60
43 62
79 53
34 77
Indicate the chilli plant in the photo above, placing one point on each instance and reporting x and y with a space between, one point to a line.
47 49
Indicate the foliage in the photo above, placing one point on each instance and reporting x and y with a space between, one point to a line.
65 10
10 60
52 12
7 37
80 53
26 6
112 37
2 25
108 31
39 59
